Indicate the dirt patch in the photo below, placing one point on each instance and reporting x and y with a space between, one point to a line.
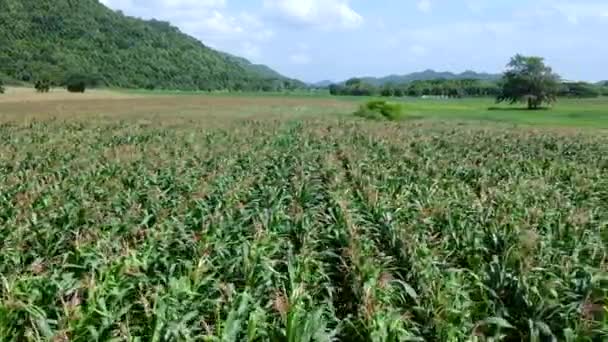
21 95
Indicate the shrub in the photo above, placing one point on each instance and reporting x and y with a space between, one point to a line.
78 87
43 86
579 90
77 83
387 92
381 110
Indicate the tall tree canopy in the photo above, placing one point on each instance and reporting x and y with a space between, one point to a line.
530 80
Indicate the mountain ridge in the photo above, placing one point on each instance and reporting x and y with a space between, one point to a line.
52 38
428 75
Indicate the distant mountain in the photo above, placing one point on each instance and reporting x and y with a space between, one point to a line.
430 75
322 84
53 38
260 69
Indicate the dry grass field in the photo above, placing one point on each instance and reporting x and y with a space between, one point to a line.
26 104
131 217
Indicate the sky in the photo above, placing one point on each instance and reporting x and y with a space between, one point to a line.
316 40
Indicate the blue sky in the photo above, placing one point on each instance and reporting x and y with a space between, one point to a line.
315 40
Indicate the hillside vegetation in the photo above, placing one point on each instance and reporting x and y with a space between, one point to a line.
429 75
53 38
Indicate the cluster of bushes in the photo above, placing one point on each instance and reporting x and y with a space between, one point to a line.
440 87
381 110
604 88
454 89
353 87
76 82
579 90
43 85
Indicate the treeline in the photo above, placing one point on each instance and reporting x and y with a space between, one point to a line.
440 87
51 39
454 89
581 90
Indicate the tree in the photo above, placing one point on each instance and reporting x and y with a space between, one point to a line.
336 89
76 83
529 80
353 82
43 86
1 87
388 90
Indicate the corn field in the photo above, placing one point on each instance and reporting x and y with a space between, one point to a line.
309 230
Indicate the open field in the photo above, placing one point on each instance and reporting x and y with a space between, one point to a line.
590 113
127 217
24 103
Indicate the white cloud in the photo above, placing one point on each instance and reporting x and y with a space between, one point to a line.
327 14
425 6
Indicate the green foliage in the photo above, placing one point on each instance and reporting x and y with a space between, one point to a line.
579 90
381 110
78 82
353 87
1 86
388 90
430 75
55 37
529 80
42 86
321 230
440 87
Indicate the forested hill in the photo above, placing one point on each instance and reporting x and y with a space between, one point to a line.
429 75
53 38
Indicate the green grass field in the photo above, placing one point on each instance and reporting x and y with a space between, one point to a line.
566 112
136 217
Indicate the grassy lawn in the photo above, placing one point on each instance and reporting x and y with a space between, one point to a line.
566 112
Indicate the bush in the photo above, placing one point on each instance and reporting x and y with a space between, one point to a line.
78 87
579 90
77 83
381 110
1 87
43 86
